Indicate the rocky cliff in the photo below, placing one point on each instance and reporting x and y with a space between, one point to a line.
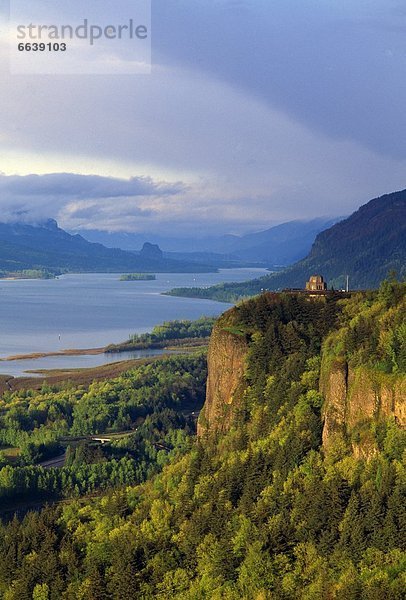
361 383
354 396
225 382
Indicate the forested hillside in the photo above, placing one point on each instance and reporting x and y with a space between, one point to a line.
257 507
147 405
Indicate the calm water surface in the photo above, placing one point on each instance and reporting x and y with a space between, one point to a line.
92 310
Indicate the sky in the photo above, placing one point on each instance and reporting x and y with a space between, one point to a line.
255 112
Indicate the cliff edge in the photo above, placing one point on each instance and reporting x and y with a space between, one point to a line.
353 396
225 383
264 353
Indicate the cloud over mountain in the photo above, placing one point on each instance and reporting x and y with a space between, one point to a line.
82 198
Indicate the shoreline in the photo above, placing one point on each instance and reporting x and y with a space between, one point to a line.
68 352
124 347
81 376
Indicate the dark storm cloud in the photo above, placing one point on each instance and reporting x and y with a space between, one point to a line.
270 110
336 66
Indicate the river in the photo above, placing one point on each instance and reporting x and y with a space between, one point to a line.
93 310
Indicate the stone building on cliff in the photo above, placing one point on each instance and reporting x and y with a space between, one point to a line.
316 283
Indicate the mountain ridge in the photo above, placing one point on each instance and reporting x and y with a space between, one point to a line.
366 246
46 246
281 244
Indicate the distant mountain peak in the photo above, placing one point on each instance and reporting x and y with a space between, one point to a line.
50 224
151 251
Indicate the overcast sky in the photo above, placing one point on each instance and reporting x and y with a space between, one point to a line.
256 112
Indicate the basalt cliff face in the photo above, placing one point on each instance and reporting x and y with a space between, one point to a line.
352 396
225 383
